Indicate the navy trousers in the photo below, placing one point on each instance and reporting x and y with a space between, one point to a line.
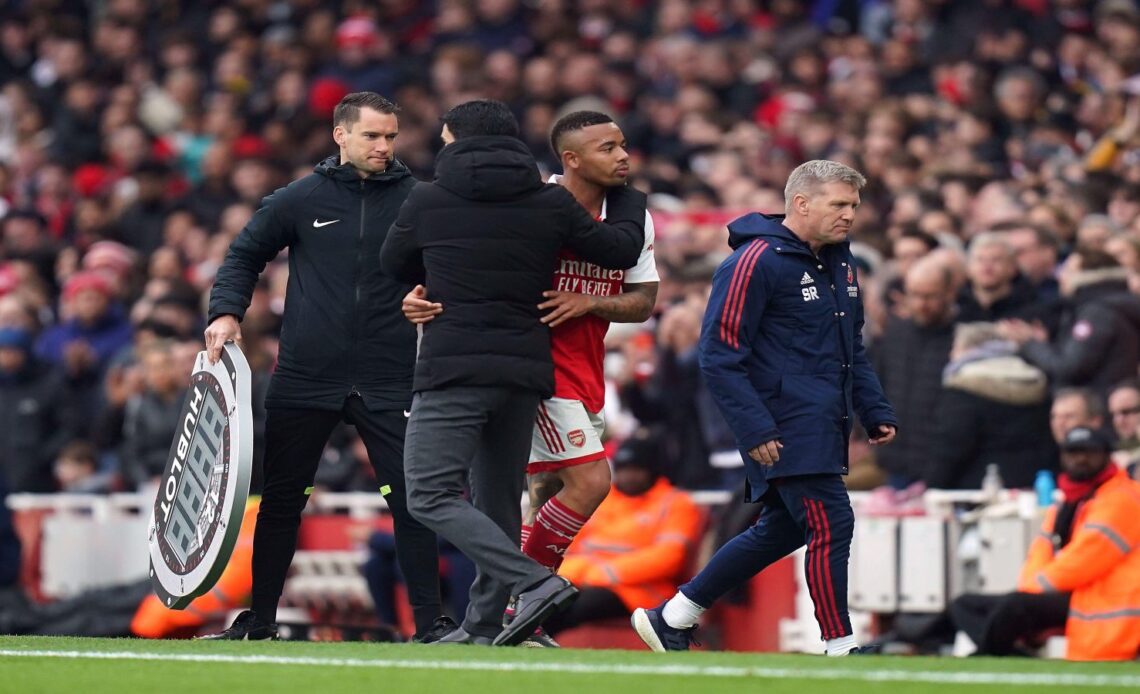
811 509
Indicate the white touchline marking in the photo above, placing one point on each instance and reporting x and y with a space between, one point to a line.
760 672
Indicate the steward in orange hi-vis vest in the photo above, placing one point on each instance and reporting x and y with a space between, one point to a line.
636 545
1099 565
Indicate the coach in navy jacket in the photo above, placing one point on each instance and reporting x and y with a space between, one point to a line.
782 355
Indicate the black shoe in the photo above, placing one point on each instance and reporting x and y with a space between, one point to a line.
246 627
442 626
660 637
869 649
535 605
460 635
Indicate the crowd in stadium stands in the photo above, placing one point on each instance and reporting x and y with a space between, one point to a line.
998 239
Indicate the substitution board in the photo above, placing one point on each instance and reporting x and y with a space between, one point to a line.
203 490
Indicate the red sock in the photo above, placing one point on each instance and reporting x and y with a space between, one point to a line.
554 529
524 536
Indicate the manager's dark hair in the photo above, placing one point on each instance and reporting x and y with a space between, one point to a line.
347 112
574 121
481 117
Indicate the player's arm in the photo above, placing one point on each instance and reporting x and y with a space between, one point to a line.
639 293
633 305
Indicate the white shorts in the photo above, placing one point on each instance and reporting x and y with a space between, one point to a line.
565 434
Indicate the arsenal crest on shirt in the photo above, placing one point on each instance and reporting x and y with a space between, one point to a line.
577 437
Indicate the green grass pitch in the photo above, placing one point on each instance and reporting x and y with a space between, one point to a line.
120 666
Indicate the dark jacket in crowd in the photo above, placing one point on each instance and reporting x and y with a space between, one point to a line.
1098 343
342 331
676 403
992 410
1021 302
909 359
34 426
484 239
782 351
148 423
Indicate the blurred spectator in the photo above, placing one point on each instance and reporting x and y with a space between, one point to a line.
76 470
1099 339
1036 250
995 289
664 389
638 544
92 330
362 63
1124 409
34 415
24 236
141 224
1095 230
1075 407
993 409
152 414
909 359
906 250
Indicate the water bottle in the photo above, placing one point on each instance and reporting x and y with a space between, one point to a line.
992 483
1044 486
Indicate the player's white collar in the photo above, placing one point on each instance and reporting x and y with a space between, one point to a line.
557 179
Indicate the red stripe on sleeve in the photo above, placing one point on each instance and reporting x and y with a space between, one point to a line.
742 291
740 277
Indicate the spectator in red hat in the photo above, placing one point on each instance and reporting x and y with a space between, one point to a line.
113 260
95 328
364 57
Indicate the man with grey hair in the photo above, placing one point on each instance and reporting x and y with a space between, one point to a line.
995 290
1018 92
782 354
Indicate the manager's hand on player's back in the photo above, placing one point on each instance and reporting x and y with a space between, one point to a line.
416 307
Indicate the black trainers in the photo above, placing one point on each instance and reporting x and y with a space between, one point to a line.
246 627
442 626
868 649
651 627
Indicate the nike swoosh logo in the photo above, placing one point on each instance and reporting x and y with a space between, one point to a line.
407 413
317 224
